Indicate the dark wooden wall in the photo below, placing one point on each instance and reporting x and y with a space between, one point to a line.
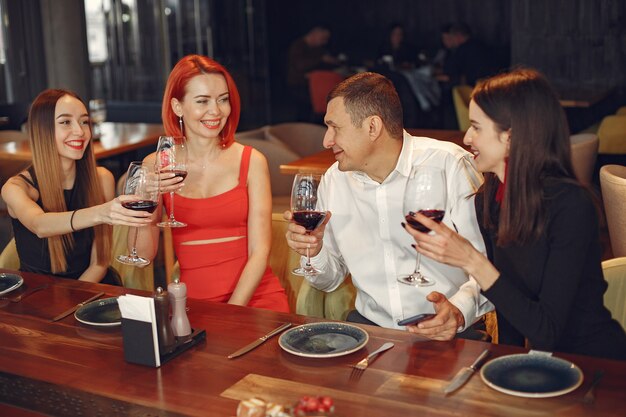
574 42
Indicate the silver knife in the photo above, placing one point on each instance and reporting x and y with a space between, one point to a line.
465 373
259 341
73 309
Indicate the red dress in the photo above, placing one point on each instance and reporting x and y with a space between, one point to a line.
211 271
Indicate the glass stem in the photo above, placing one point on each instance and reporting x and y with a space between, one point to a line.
417 265
308 259
133 252
171 206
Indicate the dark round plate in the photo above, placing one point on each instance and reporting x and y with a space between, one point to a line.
10 282
531 375
323 340
103 312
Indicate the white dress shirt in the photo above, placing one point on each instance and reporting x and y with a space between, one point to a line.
364 236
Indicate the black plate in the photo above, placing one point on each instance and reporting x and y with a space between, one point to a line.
323 340
10 282
103 312
532 375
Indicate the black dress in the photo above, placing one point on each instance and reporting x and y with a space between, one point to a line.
551 291
33 251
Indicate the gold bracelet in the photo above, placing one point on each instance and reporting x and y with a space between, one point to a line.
72 220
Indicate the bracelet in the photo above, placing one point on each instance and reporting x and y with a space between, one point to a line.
72 220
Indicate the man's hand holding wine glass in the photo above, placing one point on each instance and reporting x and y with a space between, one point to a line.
299 240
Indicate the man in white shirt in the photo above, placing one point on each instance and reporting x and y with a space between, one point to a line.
363 230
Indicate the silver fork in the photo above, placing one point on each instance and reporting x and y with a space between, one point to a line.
360 367
26 293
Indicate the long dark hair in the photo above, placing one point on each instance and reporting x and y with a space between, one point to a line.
47 165
524 102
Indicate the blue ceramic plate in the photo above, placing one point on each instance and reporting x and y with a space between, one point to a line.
531 375
103 312
323 340
10 282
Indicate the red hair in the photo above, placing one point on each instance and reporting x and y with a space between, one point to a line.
187 68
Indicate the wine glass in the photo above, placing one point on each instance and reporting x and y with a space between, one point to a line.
142 182
303 209
171 157
98 114
425 193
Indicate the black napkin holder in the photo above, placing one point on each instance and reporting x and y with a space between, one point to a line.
139 343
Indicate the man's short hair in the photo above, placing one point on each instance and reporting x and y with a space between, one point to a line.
371 94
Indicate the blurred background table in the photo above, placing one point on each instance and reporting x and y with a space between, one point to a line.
117 139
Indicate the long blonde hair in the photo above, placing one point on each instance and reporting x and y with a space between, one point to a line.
49 173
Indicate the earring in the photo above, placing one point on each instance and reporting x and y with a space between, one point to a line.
180 122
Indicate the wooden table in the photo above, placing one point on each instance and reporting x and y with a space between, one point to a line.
117 138
65 367
318 163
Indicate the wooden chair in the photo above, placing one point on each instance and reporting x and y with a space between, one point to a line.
584 153
615 296
613 183
612 135
461 98
320 84
621 111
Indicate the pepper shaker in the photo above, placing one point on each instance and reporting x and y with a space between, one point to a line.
178 298
167 342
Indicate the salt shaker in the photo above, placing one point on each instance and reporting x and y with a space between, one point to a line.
167 342
178 298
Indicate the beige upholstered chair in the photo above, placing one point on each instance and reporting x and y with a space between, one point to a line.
584 153
615 297
303 138
303 298
9 258
283 260
132 277
613 183
461 98
612 135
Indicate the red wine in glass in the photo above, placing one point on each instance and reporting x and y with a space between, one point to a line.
436 215
177 173
141 205
306 213
140 182
309 219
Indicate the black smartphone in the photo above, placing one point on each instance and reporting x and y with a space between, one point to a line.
415 319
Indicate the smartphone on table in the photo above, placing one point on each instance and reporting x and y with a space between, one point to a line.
415 319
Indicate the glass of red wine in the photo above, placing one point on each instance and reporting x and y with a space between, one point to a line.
305 213
143 183
426 194
171 157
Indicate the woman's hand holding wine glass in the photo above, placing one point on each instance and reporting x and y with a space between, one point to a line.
142 191
171 158
425 193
